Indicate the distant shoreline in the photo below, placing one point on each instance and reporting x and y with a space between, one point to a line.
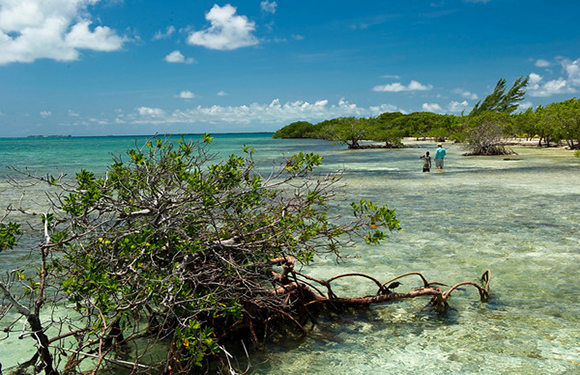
39 136
515 141
49 136
368 144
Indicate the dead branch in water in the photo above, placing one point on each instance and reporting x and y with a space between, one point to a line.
311 287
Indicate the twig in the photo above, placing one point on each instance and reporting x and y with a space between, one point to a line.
115 361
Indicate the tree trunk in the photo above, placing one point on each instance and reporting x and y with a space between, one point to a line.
43 342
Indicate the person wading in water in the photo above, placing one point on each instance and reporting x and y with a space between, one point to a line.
426 162
439 156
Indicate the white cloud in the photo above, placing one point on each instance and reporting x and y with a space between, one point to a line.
432 107
567 84
416 86
177 57
56 29
525 105
164 35
45 114
466 94
398 87
186 95
549 88
268 7
457 107
222 93
556 86
393 76
377 110
534 80
572 69
227 31
541 63
101 39
273 113
150 112
73 113
97 121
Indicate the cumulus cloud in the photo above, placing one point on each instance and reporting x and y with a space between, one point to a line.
56 29
228 31
177 57
432 107
164 35
466 94
45 114
186 95
274 112
222 93
572 69
541 63
453 107
268 7
100 39
538 88
150 112
556 86
377 110
457 107
534 80
568 83
398 87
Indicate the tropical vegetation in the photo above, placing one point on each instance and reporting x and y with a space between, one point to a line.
483 130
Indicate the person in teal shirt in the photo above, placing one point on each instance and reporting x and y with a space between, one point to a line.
439 156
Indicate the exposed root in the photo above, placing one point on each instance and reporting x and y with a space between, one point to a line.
311 295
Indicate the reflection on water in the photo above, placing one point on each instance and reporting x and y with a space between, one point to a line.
519 218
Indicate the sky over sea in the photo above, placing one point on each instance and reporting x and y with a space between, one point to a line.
129 67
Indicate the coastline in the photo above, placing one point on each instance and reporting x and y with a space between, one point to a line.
408 143
515 141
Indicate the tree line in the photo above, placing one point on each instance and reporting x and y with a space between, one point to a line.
483 129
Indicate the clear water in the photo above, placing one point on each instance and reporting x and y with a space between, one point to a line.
518 218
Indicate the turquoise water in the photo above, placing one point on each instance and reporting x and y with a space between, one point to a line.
519 218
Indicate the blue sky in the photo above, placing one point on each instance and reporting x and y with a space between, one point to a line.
124 67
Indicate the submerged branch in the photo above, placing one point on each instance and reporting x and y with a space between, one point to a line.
384 294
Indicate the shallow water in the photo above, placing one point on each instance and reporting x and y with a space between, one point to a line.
518 218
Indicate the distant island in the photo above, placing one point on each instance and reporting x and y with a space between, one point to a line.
50 136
